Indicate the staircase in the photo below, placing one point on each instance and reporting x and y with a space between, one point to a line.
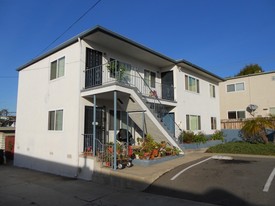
140 101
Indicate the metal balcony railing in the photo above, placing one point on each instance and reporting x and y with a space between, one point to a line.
129 75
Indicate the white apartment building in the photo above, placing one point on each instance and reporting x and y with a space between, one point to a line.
86 89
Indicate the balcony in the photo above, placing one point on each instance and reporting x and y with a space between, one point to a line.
125 74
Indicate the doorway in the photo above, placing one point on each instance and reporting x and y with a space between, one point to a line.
167 86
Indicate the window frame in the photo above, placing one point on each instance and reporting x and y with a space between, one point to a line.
235 87
213 123
196 85
212 90
237 114
57 70
188 122
151 79
270 111
121 120
53 120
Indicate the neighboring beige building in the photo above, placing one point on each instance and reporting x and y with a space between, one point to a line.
237 93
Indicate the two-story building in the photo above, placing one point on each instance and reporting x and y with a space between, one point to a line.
248 96
82 92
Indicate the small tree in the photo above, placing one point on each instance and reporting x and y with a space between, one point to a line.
254 130
250 69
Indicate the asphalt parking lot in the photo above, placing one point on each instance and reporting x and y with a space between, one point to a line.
23 187
240 181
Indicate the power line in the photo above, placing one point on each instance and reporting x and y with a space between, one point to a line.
93 6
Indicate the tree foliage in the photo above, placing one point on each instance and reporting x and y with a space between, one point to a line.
250 69
254 130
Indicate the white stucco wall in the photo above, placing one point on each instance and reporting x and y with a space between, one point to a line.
36 147
191 103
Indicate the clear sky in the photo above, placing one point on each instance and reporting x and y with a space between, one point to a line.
221 36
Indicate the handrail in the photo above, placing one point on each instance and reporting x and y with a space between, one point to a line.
164 111
115 71
103 152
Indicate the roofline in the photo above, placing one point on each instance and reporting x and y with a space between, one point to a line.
200 69
119 37
250 75
89 32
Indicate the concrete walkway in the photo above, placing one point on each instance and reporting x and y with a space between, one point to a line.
140 177
26 187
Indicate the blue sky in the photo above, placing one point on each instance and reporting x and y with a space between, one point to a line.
221 36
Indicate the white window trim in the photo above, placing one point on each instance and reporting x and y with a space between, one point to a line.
57 59
215 93
199 118
51 110
150 77
270 110
197 86
235 87
240 110
216 125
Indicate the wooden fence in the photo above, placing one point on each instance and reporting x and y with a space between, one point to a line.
234 123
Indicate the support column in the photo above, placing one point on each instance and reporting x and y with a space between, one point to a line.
143 120
94 125
127 135
115 130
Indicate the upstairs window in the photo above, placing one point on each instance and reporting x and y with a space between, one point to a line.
57 68
235 87
55 120
192 84
193 122
212 91
150 78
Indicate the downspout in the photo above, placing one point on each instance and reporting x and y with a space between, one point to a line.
79 110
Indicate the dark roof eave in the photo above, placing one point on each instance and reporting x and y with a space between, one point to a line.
89 32
200 69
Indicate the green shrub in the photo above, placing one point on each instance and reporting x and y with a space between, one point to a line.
243 148
218 135
191 137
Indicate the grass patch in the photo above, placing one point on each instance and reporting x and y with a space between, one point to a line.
243 148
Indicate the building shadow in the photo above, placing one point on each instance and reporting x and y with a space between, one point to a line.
117 179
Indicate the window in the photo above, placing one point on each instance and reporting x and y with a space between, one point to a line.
236 115
213 123
121 120
193 122
192 84
55 120
111 125
212 91
150 78
272 110
57 68
235 87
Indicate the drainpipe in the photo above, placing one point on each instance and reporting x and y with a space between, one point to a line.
79 110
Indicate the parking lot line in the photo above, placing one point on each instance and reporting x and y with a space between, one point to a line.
269 180
173 178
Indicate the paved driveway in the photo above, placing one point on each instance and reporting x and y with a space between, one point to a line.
241 181
23 187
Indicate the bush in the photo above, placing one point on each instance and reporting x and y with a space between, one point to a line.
190 137
243 148
218 135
